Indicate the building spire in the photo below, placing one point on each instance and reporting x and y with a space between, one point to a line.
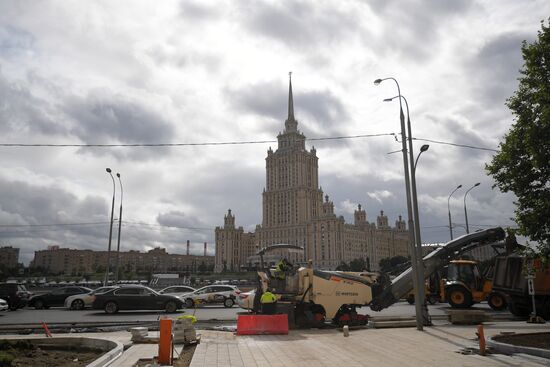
291 125
290 99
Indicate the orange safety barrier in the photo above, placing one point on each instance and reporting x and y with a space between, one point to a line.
165 342
262 324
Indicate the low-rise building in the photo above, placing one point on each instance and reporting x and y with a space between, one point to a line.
60 260
9 257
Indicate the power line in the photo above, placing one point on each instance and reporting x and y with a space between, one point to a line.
144 224
455 144
124 223
471 225
185 144
130 223
145 145
52 224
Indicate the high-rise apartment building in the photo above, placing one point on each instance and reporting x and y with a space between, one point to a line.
295 212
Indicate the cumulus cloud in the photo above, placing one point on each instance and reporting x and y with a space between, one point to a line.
347 206
319 112
104 117
300 24
416 29
177 219
380 195
188 71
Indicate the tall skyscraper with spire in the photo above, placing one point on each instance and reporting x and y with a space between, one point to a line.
294 213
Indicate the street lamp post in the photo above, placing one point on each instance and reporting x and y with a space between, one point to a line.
418 241
119 229
465 211
105 282
449 209
414 262
420 254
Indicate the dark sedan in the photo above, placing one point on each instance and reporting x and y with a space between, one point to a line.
56 297
135 298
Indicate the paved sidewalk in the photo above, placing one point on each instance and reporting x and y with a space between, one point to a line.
435 346
439 345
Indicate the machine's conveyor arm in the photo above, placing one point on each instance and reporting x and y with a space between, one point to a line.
403 283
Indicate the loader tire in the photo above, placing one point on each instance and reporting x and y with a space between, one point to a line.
458 297
546 310
410 299
497 301
518 310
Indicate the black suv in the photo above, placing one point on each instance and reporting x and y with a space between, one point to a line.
16 295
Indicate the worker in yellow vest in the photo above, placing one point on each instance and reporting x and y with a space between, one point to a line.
269 303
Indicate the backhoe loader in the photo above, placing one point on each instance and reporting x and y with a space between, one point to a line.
311 296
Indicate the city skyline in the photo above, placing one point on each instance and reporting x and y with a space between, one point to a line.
188 72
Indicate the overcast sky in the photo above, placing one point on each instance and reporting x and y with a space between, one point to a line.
132 72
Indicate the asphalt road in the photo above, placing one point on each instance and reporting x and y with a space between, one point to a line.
205 313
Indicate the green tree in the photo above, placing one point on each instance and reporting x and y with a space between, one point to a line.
384 264
522 164
342 267
398 260
357 264
394 264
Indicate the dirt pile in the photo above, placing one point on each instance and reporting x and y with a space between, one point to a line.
22 353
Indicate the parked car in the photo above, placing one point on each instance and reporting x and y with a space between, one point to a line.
135 298
81 301
177 290
3 305
16 295
246 299
56 297
223 294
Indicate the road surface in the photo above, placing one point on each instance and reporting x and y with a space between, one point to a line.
205 313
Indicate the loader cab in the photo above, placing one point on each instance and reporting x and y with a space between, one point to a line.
465 272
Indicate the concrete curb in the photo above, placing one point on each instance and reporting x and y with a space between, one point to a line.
516 349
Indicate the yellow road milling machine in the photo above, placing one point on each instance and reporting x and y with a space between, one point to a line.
311 296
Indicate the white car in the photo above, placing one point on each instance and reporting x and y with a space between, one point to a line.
177 290
81 301
246 299
224 294
3 305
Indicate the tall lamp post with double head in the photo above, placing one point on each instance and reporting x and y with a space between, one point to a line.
119 229
416 216
414 262
449 210
465 211
106 280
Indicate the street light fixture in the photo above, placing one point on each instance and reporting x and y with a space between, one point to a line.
414 262
423 148
465 212
105 282
421 297
119 229
449 209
